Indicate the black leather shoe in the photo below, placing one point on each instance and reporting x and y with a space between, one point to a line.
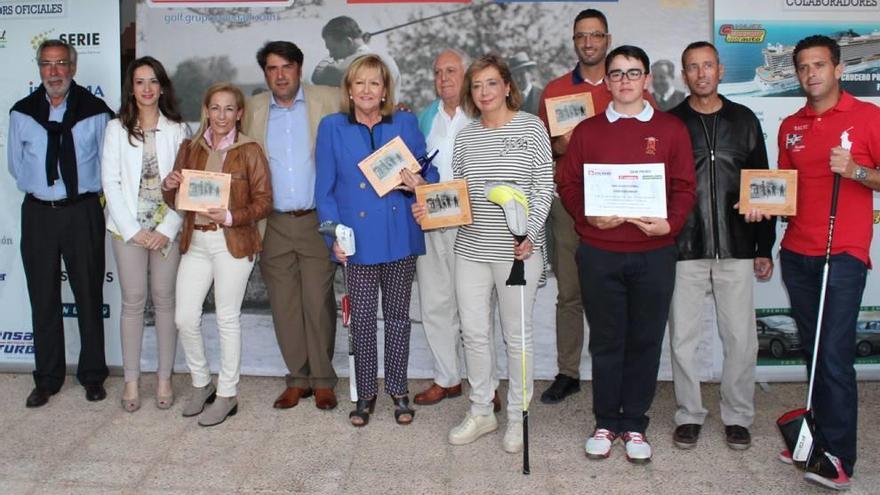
738 437
95 392
38 397
562 387
686 436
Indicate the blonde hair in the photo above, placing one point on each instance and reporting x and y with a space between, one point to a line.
369 62
220 87
513 100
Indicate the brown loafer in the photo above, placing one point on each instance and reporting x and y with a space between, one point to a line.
290 397
435 393
325 398
496 402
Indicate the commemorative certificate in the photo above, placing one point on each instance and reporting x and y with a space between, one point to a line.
629 190
565 112
201 191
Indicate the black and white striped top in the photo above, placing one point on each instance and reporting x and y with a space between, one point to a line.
517 152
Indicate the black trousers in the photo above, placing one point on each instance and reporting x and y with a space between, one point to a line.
626 299
74 233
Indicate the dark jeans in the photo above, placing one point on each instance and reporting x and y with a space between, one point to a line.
835 397
74 233
626 299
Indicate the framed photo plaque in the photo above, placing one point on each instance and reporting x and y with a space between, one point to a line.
448 204
565 112
772 191
383 166
201 191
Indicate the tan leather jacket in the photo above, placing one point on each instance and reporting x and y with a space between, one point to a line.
250 196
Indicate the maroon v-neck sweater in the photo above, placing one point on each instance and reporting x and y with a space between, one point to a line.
663 139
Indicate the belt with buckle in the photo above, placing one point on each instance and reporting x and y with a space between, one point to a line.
297 213
61 203
205 227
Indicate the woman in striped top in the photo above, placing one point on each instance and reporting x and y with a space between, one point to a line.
503 144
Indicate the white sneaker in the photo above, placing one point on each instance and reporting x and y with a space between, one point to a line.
638 450
472 428
599 445
513 437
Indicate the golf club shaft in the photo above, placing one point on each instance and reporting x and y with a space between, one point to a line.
352 382
525 398
823 292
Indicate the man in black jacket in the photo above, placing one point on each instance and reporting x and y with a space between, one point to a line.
718 250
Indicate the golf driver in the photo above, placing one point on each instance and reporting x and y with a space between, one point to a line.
797 427
516 213
345 237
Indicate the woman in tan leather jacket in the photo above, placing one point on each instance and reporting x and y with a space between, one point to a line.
218 246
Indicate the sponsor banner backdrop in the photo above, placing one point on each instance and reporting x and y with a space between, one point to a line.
221 44
92 26
756 50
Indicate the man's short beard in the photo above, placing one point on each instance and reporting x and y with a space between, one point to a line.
58 93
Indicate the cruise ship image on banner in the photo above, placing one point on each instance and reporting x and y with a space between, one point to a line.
758 57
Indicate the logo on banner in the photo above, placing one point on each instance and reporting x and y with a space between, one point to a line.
793 140
85 43
742 33
2 37
22 9
94 89
68 310
836 5
173 4
16 342
39 38
109 277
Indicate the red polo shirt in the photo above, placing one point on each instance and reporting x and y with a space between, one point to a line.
805 142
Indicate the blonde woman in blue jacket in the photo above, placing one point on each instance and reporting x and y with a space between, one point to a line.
387 237
138 152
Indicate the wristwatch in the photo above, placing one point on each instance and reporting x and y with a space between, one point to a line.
860 174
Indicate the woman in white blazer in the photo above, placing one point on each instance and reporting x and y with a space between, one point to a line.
139 151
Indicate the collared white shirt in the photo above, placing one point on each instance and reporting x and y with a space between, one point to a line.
643 116
442 138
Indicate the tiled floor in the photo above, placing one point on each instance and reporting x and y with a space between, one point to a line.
77 447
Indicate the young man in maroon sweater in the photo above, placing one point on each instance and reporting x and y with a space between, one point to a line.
627 265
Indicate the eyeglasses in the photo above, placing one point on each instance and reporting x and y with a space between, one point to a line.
49 64
592 35
616 75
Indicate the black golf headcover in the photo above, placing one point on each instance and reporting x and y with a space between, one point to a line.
518 270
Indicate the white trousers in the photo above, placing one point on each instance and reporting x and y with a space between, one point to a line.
435 273
474 286
731 282
207 261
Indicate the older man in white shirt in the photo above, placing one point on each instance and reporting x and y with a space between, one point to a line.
435 272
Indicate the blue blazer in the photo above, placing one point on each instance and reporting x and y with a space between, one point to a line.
384 228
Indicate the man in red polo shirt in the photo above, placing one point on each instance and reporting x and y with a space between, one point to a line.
833 133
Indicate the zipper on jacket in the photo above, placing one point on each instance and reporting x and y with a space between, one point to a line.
710 142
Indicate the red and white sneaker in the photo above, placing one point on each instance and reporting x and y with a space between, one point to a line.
785 457
638 450
827 471
599 444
